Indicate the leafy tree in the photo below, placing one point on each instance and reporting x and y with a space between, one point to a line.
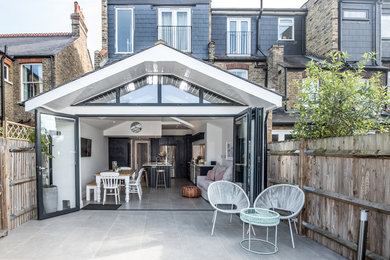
334 100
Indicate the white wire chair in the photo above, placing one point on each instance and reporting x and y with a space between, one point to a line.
226 197
110 182
286 199
135 187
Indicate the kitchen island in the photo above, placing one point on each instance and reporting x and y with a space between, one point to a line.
151 168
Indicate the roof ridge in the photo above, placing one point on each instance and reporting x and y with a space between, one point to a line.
10 35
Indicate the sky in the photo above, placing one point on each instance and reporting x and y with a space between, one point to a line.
43 16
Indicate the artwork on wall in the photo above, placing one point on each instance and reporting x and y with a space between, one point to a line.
86 147
229 151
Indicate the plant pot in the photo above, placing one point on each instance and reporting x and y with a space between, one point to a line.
50 199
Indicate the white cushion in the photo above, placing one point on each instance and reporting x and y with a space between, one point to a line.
228 176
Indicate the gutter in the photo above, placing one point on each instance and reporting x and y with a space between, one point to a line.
258 47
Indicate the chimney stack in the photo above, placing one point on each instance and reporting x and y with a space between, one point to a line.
78 25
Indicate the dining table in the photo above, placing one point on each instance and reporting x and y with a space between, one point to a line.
123 175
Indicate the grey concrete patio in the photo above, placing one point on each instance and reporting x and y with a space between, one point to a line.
144 235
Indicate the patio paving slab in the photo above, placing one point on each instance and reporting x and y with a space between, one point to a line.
145 235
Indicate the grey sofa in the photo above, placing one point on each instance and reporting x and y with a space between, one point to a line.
204 184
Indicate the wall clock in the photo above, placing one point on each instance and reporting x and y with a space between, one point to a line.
135 127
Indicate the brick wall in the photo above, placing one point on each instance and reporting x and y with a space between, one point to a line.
275 56
72 61
321 27
255 74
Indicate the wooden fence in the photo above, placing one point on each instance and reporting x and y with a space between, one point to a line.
17 177
340 176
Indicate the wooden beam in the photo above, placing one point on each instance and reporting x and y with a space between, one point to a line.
13 182
383 208
341 241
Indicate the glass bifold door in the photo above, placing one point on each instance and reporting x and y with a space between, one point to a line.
57 154
248 158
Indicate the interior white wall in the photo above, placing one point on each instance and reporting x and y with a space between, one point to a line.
217 133
99 155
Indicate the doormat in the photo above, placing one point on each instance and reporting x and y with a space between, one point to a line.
102 207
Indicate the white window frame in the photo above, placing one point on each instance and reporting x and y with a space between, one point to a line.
365 11
281 134
238 20
6 70
174 12
22 97
116 29
239 70
382 27
293 28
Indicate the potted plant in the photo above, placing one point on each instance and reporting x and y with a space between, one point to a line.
50 198
163 156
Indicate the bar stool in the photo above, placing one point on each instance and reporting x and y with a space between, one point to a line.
158 174
145 178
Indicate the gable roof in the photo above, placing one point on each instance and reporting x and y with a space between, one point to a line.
159 59
35 44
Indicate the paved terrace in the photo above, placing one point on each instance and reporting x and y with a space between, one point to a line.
124 234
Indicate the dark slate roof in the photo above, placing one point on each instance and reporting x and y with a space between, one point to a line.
295 61
282 118
37 44
157 2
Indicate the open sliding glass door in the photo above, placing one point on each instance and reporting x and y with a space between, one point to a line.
248 161
57 151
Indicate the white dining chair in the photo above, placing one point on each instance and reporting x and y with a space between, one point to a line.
111 183
135 187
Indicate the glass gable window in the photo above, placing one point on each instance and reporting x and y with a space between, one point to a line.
175 90
124 30
174 27
141 91
155 89
385 27
32 83
238 36
286 29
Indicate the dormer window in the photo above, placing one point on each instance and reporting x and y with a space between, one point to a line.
124 30
238 36
286 29
174 27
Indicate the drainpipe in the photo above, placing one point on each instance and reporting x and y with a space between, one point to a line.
258 47
285 87
3 86
52 71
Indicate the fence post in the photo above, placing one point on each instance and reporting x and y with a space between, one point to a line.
302 172
362 239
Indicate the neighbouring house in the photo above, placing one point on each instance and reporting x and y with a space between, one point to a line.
354 27
38 62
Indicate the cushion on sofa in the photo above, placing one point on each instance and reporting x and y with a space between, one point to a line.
220 175
210 175
228 176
